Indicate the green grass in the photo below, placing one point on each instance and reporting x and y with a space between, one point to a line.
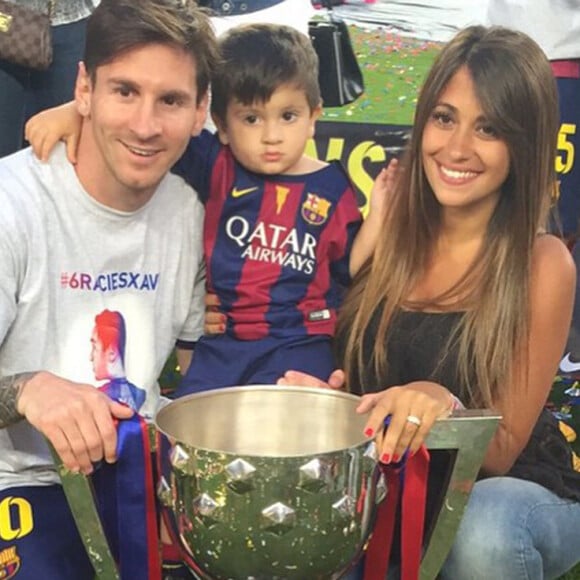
394 68
572 575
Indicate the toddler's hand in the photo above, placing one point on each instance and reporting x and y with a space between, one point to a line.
44 130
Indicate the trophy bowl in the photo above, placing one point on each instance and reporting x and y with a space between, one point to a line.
267 482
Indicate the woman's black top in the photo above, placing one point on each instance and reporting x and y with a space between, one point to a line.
419 349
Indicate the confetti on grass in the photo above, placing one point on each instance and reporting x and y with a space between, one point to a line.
394 68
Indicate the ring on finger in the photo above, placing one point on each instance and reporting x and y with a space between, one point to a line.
414 419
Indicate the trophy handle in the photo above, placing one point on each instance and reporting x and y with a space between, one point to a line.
79 494
167 504
468 433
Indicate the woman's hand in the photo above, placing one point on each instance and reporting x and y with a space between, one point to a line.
383 188
366 240
299 379
413 409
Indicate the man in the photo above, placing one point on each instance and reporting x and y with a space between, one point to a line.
112 232
108 343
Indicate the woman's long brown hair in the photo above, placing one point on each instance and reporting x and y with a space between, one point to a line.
517 93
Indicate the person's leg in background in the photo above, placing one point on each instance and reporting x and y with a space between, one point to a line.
514 529
55 85
25 92
14 81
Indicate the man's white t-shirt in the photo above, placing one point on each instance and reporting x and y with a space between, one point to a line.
64 258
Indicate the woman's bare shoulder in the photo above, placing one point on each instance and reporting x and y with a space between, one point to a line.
552 261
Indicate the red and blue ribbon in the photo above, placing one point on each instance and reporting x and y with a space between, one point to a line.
125 496
407 480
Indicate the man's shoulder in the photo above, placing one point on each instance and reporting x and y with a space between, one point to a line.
24 169
178 193
20 183
15 167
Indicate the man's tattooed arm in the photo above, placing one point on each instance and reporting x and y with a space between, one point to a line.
10 389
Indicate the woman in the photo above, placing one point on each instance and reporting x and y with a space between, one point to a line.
466 298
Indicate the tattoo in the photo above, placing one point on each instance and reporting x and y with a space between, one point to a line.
10 389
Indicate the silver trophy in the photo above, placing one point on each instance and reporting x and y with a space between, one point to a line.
279 482
267 482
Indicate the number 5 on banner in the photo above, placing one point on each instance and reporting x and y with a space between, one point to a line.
564 163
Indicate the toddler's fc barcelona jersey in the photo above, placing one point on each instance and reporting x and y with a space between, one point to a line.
277 247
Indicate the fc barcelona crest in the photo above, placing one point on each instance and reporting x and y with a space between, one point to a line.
9 563
315 209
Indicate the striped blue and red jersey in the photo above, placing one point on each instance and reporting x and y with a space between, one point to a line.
277 247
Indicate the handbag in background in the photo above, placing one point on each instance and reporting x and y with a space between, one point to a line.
339 75
25 35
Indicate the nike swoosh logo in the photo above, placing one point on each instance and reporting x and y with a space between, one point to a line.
568 366
239 192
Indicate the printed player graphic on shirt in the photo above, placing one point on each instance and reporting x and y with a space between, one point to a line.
108 358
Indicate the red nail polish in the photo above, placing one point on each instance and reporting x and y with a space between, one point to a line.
396 458
385 458
369 432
